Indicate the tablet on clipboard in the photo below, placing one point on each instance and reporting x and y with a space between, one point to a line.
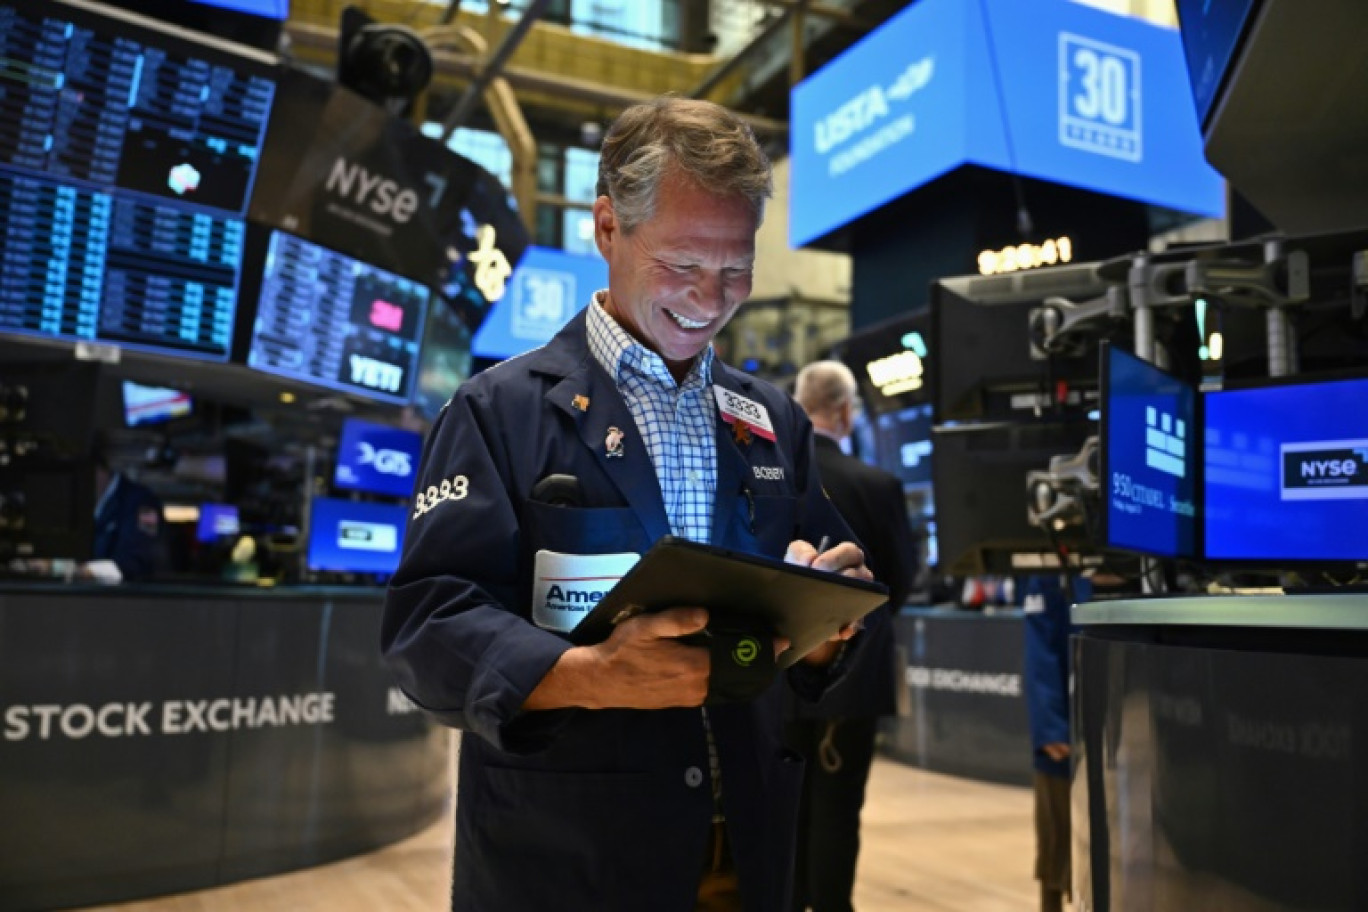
805 605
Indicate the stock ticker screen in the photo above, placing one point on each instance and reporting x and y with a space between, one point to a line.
329 319
1149 458
127 157
1286 472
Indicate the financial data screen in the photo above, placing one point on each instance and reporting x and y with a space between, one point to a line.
326 318
127 157
1150 458
1287 472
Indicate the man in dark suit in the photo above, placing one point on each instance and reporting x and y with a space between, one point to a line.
127 524
837 735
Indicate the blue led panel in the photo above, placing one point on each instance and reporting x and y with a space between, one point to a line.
377 458
1149 462
1287 472
347 537
546 289
1050 89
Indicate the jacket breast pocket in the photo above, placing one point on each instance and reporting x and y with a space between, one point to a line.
582 530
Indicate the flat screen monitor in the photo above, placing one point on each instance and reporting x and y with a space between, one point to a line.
444 360
980 497
349 537
217 521
127 157
902 442
1150 446
1286 473
982 325
1211 33
154 404
890 362
377 458
327 318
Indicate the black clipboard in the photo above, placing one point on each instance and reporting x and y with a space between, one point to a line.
805 605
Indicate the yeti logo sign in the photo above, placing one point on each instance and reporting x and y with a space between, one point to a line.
375 192
1325 470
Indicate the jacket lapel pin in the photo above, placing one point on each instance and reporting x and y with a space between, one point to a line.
612 444
580 402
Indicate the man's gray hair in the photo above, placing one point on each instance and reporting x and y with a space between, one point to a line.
824 386
711 145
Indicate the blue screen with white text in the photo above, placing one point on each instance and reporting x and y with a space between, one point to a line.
1150 458
1287 472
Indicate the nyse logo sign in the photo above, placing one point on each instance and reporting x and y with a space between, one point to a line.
1325 470
543 301
1099 98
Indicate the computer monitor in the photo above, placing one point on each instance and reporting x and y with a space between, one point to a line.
980 497
902 443
1149 447
1211 34
981 332
329 319
145 405
127 155
1286 473
376 458
217 521
350 537
444 359
889 361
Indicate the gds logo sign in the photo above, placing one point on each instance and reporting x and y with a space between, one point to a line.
386 462
1099 98
1325 470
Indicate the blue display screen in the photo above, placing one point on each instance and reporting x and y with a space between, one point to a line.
546 289
376 458
153 404
217 521
904 444
1150 458
1211 32
887 116
347 537
268 9
1050 89
1287 472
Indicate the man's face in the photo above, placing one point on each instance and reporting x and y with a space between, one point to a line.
676 280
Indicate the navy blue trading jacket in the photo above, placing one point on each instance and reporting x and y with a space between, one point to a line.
578 809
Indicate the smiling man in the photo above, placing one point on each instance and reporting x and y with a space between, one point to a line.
591 777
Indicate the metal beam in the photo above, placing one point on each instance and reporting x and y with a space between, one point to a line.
451 65
834 13
493 68
711 81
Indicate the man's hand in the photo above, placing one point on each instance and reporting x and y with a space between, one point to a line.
846 559
1056 751
642 665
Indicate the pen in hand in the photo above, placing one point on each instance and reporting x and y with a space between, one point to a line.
823 544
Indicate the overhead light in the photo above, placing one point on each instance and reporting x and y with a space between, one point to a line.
287 397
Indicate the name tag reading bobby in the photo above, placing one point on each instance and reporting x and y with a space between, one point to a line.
568 586
737 408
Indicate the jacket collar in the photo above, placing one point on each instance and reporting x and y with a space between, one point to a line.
567 359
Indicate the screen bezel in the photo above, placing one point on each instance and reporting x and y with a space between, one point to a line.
1104 462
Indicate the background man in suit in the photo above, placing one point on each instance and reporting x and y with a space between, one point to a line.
837 735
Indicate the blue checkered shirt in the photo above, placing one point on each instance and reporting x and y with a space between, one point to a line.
674 420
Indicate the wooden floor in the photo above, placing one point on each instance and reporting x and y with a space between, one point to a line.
930 842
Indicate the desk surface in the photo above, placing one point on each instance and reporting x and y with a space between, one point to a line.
1319 611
